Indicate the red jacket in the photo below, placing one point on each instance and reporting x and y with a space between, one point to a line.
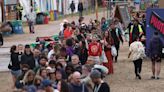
94 49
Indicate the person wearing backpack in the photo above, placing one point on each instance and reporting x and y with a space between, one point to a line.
117 37
137 51
155 52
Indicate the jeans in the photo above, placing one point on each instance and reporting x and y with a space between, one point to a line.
31 27
137 66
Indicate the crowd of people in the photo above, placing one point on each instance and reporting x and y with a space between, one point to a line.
81 58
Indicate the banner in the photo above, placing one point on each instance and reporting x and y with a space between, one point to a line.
154 22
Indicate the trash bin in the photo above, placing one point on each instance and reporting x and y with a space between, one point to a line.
46 20
40 18
56 14
17 27
52 15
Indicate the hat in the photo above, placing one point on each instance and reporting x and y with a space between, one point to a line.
102 68
95 74
27 46
46 83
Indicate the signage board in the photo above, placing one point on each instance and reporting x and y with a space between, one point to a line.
154 22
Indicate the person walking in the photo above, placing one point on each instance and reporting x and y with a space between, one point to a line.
117 38
31 20
137 51
108 42
99 84
155 52
95 50
80 9
72 7
135 30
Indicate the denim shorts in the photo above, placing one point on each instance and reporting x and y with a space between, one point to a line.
16 73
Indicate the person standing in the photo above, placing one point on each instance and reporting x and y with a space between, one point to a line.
99 84
95 50
155 51
31 20
77 85
19 10
72 7
80 9
108 42
137 51
27 58
14 64
117 38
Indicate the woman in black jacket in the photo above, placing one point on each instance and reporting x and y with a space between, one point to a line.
82 52
14 64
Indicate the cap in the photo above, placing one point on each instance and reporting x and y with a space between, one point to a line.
95 74
46 83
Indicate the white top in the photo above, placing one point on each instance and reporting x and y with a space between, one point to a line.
50 54
137 50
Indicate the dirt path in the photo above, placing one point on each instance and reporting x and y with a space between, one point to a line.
123 79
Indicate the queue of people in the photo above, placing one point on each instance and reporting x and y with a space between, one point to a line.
74 63
81 59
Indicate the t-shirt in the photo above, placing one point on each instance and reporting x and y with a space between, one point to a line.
94 49
137 49
103 87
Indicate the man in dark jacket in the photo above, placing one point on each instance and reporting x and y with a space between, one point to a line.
28 58
155 52
72 6
80 9
117 37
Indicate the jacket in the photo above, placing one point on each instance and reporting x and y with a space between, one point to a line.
80 7
29 60
156 46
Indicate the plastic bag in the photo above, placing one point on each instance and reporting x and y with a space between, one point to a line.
113 51
103 58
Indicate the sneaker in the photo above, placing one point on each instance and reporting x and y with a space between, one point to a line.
139 77
157 78
152 77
